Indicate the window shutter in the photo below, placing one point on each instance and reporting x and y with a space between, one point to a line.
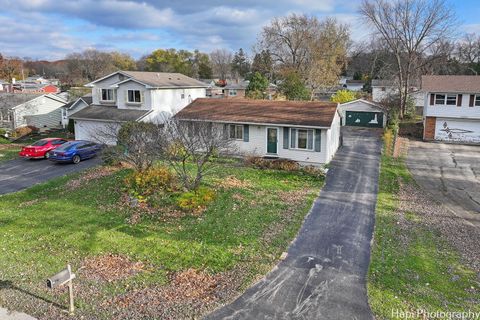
245 133
293 138
459 100
285 137
126 96
432 99
310 139
472 100
99 94
142 96
318 140
225 131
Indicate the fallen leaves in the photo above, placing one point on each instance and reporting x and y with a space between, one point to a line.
110 267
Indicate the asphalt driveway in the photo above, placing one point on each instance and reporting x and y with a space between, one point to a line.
451 173
323 276
20 174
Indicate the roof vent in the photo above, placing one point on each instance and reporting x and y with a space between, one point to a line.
158 75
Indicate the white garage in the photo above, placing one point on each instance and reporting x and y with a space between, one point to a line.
457 130
100 124
363 113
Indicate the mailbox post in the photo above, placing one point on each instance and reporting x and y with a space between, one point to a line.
64 277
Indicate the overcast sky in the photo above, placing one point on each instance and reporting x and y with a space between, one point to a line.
50 29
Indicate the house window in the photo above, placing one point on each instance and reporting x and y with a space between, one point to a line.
232 92
301 139
236 132
446 99
383 88
477 100
108 95
134 96
182 96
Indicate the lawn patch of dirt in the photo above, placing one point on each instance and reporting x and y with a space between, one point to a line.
110 267
233 182
90 175
464 237
189 294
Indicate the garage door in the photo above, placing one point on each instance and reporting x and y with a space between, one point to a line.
457 130
364 119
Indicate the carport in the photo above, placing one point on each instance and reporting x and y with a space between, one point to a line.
362 113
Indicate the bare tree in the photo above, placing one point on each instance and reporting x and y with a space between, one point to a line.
410 28
314 50
468 51
221 61
196 143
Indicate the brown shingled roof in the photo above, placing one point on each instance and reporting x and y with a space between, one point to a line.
302 113
453 84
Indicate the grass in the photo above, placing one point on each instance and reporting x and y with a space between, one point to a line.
9 152
48 225
423 272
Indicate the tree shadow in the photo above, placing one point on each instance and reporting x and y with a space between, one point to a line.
7 284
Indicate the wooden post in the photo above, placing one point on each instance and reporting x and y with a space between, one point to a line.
71 309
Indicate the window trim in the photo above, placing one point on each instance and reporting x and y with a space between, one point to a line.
230 91
134 102
445 99
235 131
476 101
106 89
295 147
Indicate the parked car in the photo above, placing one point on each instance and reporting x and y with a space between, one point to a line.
75 151
40 148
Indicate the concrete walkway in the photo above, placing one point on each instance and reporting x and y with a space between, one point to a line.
323 276
13 315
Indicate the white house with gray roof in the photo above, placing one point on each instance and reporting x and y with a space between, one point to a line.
134 96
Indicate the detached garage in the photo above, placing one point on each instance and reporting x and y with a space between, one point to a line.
362 113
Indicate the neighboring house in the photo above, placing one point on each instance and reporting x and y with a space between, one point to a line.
452 108
41 111
4 86
239 89
213 90
354 85
363 113
382 89
133 96
33 87
76 105
307 132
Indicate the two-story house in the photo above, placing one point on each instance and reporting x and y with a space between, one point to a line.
133 96
452 108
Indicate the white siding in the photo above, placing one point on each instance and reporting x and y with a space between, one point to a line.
122 90
170 100
79 105
41 112
457 130
450 111
361 106
104 84
96 131
257 145
333 138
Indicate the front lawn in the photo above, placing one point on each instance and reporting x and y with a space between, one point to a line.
413 267
9 151
173 265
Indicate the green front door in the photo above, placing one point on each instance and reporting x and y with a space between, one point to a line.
272 134
364 119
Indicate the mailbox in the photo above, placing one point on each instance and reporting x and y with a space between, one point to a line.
64 277
60 279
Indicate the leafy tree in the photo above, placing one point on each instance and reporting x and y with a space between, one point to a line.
263 63
123 61
203 65
170 60
240 64
257 86
293 87
10 68
342 96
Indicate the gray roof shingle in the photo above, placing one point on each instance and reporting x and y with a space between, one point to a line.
10 100
103 113
165 79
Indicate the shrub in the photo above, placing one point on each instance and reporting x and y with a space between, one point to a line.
110 155
144 184
343 96
284 165
3 132
195 201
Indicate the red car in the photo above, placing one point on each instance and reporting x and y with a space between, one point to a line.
40 148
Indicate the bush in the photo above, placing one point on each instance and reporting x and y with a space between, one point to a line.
195 201
110 155
3 132
24 131
343 96
71 126
142 185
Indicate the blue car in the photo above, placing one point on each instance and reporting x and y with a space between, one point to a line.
74 151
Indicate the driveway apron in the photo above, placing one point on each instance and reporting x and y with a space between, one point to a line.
324 274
